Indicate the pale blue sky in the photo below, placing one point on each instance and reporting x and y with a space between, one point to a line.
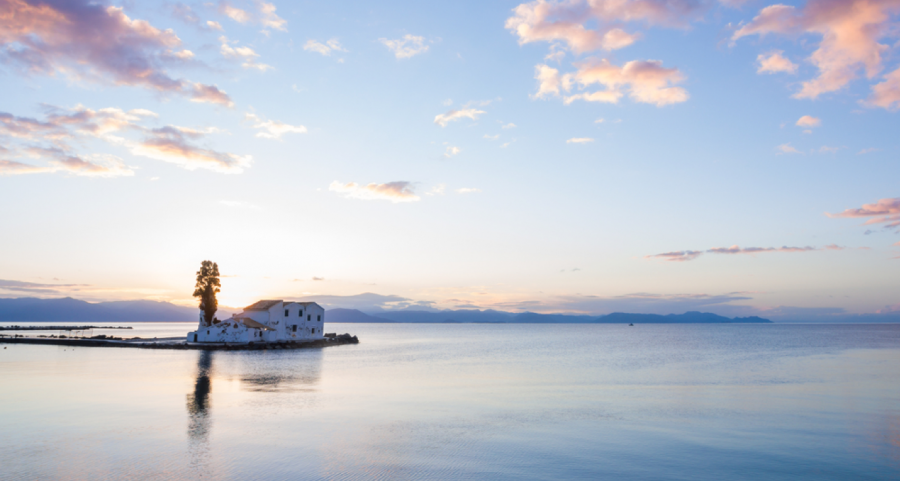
494 215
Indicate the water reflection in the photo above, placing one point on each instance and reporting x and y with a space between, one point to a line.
282 372
198 411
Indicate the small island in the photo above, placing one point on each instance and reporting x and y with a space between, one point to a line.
266 324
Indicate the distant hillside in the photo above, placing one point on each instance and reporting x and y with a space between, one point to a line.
686 318
351 315
73 310
490 316
29 309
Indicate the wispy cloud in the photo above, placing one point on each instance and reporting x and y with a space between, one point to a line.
406 46
273 129
453 115
246 54
885 211
687 255
467 190
492 137
868 151
400 191
787 149
508 126
88 41
676 256
174 145
55 138
326 48
451 151
579 140
264 15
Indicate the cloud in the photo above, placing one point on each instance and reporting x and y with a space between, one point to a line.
173 144
241 53
676 256
828 150
887 93
265 16
367 302
774 62
808 121
645 81
318 278
849 31
467 190
868 151
324 48
579 140
400 191
549 81
187 14
273 129
683 256
491 137
452 115
98 165
88 41
437 190
787 149
451 151
62 127
405 47
885 211
508 126
37 288
570 21
11 167
756 250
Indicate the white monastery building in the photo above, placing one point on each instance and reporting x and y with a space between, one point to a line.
265 321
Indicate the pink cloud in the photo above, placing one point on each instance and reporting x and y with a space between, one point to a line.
774 62
644 81
93 42
887 93
571 21
850 31
54 139
885 211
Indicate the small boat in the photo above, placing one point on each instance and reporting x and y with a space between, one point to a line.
630 324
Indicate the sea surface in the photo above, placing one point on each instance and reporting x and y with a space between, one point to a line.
465 401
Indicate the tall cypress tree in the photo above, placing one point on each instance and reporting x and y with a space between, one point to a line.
206 289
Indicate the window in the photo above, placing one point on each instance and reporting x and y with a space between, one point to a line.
286 312
301 312
309 317
319 318
294 328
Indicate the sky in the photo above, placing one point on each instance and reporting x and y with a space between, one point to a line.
581 156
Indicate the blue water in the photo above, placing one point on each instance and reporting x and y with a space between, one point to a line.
466 401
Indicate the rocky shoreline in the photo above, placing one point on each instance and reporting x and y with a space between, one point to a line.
142 343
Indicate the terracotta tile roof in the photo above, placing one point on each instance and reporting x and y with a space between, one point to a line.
262 305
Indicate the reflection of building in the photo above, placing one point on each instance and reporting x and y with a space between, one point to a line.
265 321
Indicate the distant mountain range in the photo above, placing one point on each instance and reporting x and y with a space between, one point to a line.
491 316
28 309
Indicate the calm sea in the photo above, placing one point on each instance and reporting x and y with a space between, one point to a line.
465 401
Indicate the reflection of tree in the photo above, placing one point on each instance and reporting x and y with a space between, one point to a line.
198 411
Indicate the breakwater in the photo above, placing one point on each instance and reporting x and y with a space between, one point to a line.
141 343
